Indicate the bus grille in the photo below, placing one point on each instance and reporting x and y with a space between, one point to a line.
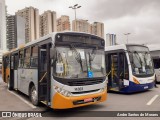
85 82
83 92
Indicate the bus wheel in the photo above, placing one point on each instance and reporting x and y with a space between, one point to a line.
34 95
8 84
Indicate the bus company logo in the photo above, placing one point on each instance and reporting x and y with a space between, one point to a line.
78 89
6 114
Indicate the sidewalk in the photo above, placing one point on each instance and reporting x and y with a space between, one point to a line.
10 102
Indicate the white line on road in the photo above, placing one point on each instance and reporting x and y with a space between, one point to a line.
152 100
25 101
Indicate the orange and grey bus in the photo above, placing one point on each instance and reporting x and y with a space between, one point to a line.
62 70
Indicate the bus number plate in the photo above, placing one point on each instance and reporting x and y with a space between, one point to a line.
88 100
78 89
146 87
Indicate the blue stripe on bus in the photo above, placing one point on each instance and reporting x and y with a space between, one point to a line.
137 87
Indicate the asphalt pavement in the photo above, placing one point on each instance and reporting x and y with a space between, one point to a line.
143 101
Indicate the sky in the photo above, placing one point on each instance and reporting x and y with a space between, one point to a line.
141 18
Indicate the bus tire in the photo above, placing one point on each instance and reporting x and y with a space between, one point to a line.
9 84
34 96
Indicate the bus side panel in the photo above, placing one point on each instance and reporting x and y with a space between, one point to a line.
33 77
25 77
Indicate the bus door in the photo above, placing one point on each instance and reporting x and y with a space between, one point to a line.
44 74
13 71
117 70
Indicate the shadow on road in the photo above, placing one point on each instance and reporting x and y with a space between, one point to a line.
86 111
135 93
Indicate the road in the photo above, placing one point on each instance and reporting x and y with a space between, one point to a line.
143 101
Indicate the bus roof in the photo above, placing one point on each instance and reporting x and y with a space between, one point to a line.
121 47
116 47
51 35
154 47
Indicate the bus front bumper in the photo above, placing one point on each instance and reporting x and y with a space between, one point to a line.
61 102
137 87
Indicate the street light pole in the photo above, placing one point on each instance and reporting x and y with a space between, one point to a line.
75 14
75 7
127 34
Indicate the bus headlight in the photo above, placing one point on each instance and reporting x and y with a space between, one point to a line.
63 91
103 89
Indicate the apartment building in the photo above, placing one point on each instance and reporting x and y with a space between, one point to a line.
81 26
48 23
63 23
31 16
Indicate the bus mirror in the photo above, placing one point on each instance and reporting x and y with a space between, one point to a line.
52 53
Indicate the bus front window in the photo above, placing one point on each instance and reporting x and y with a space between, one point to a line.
141 62
74 63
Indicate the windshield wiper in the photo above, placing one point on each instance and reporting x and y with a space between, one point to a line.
138 57
78 56
91 56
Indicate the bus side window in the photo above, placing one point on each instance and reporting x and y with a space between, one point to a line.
7 62
21 58
27 58
34 56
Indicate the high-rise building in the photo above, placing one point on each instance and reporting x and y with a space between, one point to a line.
2 28
11 33
110 39
15 31
63 23
48 23
31 16
81 26
98 29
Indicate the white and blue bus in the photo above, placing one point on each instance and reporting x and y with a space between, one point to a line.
62 70
129 68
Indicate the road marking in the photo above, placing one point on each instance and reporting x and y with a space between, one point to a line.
25 101
152 100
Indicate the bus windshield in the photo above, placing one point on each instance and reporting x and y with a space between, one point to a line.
72 62
140 61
